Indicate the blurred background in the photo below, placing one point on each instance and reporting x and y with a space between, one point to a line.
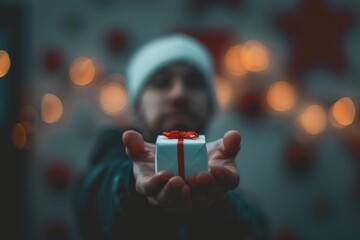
287 78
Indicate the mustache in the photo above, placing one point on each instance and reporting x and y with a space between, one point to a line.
193 115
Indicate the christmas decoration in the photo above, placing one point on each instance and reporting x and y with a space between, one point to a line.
316 31
252 104
182 153
52 60
216 40
58 176
116 40
299 158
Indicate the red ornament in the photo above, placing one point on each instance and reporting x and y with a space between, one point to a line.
58 176
217 41
316 31
116 40
299 158
252 104
52 60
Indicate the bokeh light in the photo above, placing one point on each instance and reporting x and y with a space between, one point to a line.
28 118
232 61
82 71
342 113
113 98
4 63
51 108
281 96
18 136
223 91
254 56
313 120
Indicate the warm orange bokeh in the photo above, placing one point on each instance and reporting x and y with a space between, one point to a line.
313 120
281 96
233 62
223 91
18 136
343 112
113 98
4 63
28 118
51 108
254 56
82 71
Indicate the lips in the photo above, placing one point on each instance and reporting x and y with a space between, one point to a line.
179 116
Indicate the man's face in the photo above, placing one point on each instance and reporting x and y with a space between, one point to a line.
174 98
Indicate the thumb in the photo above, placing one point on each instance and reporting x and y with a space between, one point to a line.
231 143
135 146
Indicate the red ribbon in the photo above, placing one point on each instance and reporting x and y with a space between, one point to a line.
176 134
181 135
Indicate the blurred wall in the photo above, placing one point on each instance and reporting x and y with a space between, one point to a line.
305 183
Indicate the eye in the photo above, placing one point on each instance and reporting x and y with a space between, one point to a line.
194 81
160 82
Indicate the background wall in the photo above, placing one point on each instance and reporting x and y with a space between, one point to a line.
302 170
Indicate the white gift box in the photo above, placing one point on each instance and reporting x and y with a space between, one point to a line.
168 158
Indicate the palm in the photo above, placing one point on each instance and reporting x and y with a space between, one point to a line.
222 162
171 192
146 167
210 187
162 188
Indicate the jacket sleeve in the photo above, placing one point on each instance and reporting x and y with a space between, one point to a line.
103 187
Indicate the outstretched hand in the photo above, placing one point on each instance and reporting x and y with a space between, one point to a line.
162 188
212 186
172 192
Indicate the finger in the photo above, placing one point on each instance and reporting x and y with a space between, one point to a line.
206 187
171 191
135 145
231 143
227 178
201 178
152 186
183 201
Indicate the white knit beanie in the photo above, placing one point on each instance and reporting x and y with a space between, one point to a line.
162 52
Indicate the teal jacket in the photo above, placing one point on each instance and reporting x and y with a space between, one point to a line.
108 207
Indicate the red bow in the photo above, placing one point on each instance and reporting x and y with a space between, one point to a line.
176 134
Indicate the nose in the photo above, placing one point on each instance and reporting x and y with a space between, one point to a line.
178 89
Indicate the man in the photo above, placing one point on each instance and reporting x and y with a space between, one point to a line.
170 84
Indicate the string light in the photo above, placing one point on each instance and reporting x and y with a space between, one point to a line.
4 63
281 96
51 108
82 71
28 118
254 56
313 119
342 113
232 61
223 91
113 98
18 136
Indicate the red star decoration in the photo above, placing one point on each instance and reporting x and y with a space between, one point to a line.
316 31
217 41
